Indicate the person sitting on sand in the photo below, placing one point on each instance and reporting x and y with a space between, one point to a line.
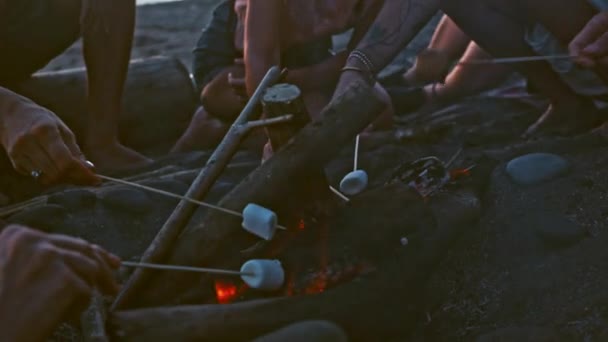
260 34
46 280
36 141
502 28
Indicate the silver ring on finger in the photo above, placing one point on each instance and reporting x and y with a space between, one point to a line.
36 174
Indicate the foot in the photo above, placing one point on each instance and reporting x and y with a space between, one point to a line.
565 119
204 132
115 157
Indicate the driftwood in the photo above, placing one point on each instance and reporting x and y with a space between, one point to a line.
168 234
159 100
379 306
274 185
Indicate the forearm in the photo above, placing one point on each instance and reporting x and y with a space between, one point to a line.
396 25
324 74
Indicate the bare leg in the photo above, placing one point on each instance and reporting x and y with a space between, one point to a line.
498 27
448 38
107 28
467 79
211 121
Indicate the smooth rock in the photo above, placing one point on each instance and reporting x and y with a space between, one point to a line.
78 198
128 200
47 217
556 230
536 168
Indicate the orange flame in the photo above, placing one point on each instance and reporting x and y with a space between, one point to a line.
225 292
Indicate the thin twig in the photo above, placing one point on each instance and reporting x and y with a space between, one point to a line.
453 159
180 197
269 122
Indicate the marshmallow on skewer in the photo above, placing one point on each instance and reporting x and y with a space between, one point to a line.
266 275
259 221
354 182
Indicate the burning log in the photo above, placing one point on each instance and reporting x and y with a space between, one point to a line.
159 100
272 185
378 306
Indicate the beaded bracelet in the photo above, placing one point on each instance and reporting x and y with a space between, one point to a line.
363 58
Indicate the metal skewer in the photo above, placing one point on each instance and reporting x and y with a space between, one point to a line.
517 59
170 194
185 268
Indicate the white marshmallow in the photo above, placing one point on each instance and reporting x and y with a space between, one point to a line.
259 221
267 275
354 182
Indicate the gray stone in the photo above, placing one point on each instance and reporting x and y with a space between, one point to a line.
78 198
47 217
555 230
127 200
536 168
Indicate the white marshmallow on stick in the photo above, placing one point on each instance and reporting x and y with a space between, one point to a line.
265 275
259 274
356 181
260 221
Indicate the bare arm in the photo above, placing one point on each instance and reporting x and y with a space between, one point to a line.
396 25
262 40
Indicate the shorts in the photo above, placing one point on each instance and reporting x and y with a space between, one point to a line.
32 33
582 81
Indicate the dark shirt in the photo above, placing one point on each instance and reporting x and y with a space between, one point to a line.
215 49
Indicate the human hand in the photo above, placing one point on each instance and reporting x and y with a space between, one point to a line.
590 46
36 140
44 279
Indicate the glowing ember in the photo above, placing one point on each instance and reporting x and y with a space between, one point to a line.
225 292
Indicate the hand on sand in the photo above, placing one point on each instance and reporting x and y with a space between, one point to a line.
112 157
591 44
36 140
45 279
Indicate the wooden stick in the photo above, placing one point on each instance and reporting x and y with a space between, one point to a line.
184 268
356 159
509 60
171 230
170 194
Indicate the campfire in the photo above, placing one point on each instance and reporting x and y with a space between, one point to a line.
344 262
